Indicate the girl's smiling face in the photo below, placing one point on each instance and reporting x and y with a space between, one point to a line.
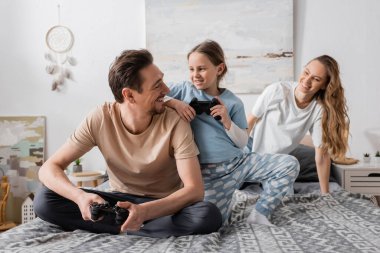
203 73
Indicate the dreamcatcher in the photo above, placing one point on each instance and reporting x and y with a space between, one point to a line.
60 41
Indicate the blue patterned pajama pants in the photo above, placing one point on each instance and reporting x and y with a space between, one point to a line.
277 172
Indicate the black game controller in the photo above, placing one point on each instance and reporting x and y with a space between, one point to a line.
204 106
98 210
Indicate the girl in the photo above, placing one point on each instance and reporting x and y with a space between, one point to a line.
224 164
316 104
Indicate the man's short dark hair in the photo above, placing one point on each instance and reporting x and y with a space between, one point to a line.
124 71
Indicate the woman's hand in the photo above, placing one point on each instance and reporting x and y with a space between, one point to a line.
221 110
185 111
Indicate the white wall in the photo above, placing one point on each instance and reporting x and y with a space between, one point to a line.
347 30
102 29
350 32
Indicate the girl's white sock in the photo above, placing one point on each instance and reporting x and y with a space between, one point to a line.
257 218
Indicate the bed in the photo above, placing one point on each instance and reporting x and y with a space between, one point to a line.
306 222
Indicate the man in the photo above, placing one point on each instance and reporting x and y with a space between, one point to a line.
151 157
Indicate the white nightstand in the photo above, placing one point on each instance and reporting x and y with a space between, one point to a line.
359 178
86 176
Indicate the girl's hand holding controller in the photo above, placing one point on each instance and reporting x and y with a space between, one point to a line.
221 111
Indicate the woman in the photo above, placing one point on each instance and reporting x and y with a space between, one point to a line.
222 135
286 111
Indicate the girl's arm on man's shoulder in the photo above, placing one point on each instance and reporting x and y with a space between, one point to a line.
185 111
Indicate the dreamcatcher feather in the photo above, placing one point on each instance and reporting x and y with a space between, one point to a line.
60 41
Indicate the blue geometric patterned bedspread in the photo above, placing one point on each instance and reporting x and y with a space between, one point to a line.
342 222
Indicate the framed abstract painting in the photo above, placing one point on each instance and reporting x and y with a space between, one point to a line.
22 152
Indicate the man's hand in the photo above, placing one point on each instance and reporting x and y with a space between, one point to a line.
85 199
136 217
221 110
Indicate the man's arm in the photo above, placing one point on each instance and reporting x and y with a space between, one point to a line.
251 120
192 191
52 175
322 161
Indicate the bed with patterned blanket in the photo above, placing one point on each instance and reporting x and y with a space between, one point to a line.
340 222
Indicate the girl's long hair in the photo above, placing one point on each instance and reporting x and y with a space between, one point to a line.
335 120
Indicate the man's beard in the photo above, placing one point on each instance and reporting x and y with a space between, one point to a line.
157 111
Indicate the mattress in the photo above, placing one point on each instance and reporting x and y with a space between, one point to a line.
340 222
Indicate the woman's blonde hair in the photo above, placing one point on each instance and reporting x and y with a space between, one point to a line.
335 120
